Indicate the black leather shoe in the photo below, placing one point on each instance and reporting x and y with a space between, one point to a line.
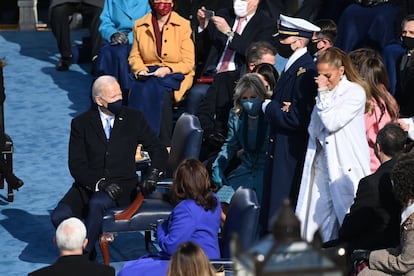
14 182
64 64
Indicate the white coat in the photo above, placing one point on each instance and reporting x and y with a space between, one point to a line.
337 124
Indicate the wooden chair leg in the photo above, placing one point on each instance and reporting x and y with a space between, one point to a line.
103 244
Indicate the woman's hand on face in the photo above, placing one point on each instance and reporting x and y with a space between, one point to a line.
321 81
162 72
403 125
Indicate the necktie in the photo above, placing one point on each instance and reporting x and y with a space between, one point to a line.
108 127
229 52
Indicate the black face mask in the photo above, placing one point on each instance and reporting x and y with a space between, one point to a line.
115 107
408 42
313 48
284 50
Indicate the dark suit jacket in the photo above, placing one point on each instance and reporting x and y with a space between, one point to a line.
373 221
259 28
96 3
74 265
92 157
288 134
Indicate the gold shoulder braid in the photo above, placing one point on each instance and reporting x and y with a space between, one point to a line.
300 71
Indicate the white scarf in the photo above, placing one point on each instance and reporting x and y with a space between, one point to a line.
407 212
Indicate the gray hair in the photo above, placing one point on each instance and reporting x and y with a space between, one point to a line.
70 234
250 81
100 83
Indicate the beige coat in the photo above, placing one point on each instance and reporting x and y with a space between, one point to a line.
177 49
394 261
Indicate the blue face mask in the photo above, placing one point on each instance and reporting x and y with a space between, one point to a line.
252 106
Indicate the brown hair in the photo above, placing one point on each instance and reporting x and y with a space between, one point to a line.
338 58
371 68
192 181
190 260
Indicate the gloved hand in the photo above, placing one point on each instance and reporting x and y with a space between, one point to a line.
119 38
149 184
360 254
112 189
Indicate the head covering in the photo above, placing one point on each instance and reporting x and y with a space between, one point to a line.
292 26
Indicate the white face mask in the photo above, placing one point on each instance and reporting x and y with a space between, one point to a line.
240 8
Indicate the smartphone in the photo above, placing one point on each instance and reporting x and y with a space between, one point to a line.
209 14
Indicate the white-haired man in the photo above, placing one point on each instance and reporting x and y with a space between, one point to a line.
71 240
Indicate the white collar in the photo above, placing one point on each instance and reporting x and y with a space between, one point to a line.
297 54
407 212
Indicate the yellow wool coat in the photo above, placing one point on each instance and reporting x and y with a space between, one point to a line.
177 49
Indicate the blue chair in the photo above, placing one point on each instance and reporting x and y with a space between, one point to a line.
186 143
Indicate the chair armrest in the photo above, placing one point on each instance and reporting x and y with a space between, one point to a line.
127 213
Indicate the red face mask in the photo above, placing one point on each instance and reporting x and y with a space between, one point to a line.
162 8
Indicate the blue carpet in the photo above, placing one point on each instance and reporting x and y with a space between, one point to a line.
40 103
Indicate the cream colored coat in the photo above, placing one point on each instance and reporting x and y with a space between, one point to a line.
337 121
177 49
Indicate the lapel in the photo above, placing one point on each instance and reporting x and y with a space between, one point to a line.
96 125
119 121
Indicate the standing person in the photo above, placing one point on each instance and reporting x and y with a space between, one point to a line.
117 20
337 156
381 107
288 115
190 260
398 260
71 241
373 221
59 13
102 148
195 218
405 70
227 35
162 60
323 39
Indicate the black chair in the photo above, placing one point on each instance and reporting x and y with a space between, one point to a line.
186 143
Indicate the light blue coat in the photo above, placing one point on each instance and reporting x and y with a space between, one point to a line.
120 15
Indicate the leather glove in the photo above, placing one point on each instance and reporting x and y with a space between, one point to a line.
360 254
112 189
119 38
149 184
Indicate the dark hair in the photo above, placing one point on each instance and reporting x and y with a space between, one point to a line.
409 17
369 64
392 139
257 50
190 260
269 73
328 30
402 177
192 181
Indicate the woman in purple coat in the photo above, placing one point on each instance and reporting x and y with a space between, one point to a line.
195 218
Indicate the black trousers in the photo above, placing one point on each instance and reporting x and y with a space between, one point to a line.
59 22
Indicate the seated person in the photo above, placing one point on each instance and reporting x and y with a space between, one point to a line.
247 132
102 147
162 59
190 260
59 13
397 260
195 218
71 241
117 20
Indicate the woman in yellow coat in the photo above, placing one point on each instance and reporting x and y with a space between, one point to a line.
162 39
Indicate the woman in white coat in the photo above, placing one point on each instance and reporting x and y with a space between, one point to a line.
337 155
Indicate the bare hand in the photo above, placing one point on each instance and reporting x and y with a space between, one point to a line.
162 72
286 106
201 17
403 125
321 81
221 24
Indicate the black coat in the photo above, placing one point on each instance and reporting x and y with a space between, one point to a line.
92 157
74 265
373 221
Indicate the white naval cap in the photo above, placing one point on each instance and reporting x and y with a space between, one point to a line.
292 26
